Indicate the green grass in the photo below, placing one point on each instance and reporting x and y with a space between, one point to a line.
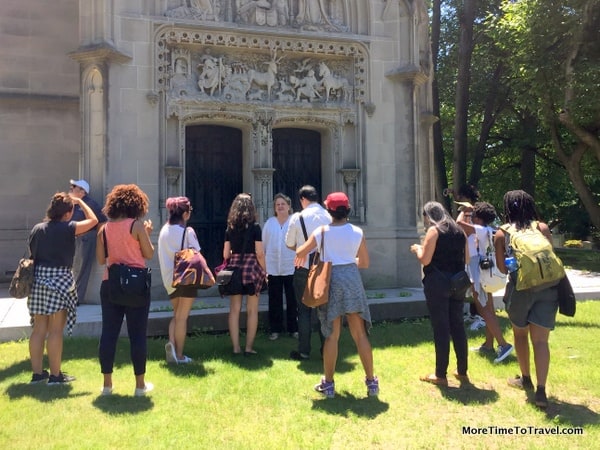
267 401
580 259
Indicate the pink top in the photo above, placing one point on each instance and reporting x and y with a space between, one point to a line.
123 248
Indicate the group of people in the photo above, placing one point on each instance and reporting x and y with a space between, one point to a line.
280 255
276 255
445 252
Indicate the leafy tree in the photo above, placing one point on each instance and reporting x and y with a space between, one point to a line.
554 49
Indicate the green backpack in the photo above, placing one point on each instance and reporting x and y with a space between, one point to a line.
538 264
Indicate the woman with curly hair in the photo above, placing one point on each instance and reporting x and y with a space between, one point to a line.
243 248
127 242
53 299
173 236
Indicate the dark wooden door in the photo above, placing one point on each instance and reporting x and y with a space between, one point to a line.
213 177
297 161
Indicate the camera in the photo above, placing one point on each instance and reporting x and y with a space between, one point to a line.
486 263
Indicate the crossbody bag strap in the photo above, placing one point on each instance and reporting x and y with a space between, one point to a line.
104 237
303 228
311 257
183 237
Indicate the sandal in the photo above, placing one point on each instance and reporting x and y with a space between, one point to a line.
433 379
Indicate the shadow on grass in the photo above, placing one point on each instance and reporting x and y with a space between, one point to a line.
121 405
569 414
41 392
468 394
345 404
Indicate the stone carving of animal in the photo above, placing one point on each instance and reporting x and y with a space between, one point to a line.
331 83
266 79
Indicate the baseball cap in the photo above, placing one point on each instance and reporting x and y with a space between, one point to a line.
337 199
82 184
465 204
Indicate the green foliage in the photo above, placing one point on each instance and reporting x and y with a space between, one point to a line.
528 43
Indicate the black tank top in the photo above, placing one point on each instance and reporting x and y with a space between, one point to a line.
449 254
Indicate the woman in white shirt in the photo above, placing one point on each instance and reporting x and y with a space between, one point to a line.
280 268
345 246
182 297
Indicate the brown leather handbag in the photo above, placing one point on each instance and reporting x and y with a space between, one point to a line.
316 292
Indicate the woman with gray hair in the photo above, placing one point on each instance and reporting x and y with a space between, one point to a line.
443 254
280 268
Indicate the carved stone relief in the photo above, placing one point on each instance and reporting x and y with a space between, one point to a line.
305 15
241 68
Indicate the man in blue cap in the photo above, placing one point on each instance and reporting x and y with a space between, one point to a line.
85 244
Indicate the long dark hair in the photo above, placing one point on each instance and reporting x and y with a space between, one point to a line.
519 208
242 213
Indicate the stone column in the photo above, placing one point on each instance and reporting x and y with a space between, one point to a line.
350 180
263 183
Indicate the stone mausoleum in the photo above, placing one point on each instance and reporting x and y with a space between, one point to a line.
209 98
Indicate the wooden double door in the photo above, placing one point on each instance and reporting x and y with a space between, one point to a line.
214 175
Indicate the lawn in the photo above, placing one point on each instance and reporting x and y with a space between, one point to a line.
267 401
580 259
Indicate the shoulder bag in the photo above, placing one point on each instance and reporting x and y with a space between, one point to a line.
316 292
22 280
127 286
188 269
229 279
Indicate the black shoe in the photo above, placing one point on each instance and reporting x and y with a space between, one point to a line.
541 400
39 377
295 355
61 378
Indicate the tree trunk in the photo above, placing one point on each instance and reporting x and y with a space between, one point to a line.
439 161
465 50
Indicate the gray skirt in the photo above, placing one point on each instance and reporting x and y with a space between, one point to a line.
346 295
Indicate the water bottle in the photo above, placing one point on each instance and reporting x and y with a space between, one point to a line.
511 264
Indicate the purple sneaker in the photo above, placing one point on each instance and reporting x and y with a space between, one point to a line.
372 387
327 388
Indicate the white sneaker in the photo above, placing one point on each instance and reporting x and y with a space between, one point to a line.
273 336
170 354
140 392
184 360
106 390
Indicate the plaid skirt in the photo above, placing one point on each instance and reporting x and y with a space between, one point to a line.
253 275
53 290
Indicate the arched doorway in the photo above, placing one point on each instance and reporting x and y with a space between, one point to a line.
296 160
213 177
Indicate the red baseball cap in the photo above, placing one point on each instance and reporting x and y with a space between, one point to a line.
337 199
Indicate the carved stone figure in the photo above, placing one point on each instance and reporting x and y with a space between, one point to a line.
331 83
308 87
313 14
266 79
179 80
263 12
196 9
210 75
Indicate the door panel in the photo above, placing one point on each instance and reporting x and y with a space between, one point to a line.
297 161
213 165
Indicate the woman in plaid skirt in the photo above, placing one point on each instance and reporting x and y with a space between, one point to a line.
53 300
243 248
